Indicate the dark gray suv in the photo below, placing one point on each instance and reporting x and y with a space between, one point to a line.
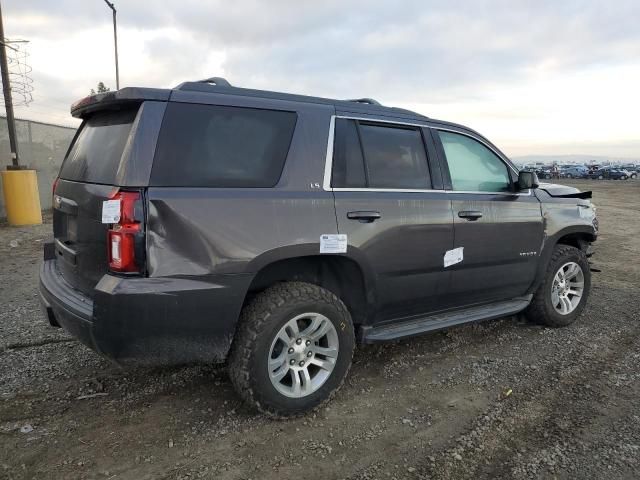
210 223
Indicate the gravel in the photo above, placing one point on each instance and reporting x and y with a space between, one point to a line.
500 399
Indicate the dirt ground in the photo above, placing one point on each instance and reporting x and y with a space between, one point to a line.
430 407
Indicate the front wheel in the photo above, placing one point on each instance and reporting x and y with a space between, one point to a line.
563 293
293 349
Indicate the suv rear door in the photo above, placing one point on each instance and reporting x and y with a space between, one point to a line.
112 151
390 203
499 229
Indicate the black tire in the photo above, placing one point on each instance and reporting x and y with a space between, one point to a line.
258 326
541 309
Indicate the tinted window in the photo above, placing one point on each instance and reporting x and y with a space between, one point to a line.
472 166
216 146
96 153
395 157
348 164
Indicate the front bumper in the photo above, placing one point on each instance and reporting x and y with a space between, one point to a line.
151 321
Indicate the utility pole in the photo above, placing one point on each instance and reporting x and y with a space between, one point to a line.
115 40
8 103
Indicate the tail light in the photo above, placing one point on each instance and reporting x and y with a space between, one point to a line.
124 236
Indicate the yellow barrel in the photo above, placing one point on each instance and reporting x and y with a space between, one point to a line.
21 197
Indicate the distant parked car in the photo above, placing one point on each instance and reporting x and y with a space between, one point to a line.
544 173
608 174
575 172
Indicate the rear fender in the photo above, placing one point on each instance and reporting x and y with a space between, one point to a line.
312 250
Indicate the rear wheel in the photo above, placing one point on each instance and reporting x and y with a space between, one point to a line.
563 293
292 350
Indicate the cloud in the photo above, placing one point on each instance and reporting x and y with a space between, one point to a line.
491 62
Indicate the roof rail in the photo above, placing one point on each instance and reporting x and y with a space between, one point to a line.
218 81
368 101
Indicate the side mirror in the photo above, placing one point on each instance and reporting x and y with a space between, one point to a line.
527 180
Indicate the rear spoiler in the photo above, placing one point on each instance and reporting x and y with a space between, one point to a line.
117 99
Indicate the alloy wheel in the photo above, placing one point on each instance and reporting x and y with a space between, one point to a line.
303 354
567 288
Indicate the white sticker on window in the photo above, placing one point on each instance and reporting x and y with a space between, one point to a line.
333 243
451 257
111 211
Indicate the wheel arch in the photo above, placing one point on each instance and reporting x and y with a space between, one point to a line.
578 236
347 277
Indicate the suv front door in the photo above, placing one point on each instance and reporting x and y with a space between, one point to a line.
499 229
390 203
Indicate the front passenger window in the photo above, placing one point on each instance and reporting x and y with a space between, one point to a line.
472 166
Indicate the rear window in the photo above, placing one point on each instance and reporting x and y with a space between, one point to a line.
96 153
219 146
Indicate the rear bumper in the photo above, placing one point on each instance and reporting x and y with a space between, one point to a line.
64 306
151 321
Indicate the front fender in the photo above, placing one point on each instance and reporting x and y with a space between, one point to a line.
582 234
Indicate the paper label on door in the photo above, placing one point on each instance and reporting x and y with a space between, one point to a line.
451 257
111 211
333 243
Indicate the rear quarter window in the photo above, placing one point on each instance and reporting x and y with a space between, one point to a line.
220 146
96 153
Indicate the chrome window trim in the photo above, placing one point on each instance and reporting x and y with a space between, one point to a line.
328 163
395 190
379 120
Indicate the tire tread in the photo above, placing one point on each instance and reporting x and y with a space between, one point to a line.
536 311
252 321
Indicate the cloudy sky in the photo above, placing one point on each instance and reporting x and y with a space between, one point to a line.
537 77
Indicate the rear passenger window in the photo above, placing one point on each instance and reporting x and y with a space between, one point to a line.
377 156
219 146
395 157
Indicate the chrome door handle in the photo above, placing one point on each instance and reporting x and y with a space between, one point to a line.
470 215
364 216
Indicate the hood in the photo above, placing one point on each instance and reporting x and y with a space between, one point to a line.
563 191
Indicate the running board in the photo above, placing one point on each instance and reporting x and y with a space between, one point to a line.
417 326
